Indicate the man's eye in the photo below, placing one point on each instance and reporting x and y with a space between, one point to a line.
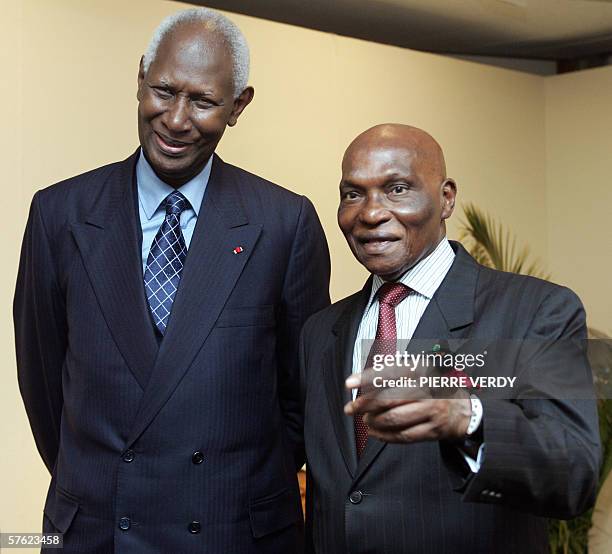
399 189
163 93
349 195
202 104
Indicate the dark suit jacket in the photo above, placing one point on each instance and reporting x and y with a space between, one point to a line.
191 444
541 456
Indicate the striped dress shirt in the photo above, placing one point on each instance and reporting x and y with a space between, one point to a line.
424 279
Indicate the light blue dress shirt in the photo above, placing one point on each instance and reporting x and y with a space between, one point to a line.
152 191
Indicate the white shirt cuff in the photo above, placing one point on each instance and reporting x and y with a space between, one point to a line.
475 422
474 463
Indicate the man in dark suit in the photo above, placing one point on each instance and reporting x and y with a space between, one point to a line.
429 470
157 314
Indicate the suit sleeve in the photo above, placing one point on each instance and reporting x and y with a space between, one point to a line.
303 358
40 336
305 291
542 452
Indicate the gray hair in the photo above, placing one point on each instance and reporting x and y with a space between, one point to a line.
213 21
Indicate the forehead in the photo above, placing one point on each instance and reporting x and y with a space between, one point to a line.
380 163
192 53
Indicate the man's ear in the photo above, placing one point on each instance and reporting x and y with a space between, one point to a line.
141 74
449 194
240 104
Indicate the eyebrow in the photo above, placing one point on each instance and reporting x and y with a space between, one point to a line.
387 178
347 183
165 83
204 94
395 175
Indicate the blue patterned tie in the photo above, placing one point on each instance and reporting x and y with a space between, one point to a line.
165 262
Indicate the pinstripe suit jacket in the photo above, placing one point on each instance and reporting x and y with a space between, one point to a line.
191 444
541 459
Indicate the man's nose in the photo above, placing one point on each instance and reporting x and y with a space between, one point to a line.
374 211
177 117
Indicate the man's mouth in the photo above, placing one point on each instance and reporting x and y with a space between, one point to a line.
170 146
373 244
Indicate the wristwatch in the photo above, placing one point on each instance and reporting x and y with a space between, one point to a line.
476 417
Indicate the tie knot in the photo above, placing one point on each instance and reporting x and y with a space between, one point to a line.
392 293
175 203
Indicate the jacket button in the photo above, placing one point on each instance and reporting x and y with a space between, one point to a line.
124 523
356 497
128 456
195 527
197 457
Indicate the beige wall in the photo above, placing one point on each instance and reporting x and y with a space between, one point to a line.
579 187
70 75
314 93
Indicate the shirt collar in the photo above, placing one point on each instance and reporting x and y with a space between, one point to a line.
427 275
152 190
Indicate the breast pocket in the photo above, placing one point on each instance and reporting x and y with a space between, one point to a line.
249 316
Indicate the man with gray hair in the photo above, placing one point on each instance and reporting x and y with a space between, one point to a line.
157 312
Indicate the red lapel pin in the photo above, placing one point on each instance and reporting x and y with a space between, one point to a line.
238 249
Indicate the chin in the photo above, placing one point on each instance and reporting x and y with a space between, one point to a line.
390 273
168 170
166 164
382 271
390 276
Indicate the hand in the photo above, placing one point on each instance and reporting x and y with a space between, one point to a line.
411 416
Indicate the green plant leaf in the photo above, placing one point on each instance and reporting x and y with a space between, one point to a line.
493 246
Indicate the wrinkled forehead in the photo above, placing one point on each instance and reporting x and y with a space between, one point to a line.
365 162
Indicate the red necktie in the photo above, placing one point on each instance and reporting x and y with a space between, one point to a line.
389 296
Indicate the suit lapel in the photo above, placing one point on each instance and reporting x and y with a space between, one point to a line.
338 364
209 276
110 248
447 319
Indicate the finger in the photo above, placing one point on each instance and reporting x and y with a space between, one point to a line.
372 404
422 432
397 418
353 381
393 381
362 380
382 398
349 408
